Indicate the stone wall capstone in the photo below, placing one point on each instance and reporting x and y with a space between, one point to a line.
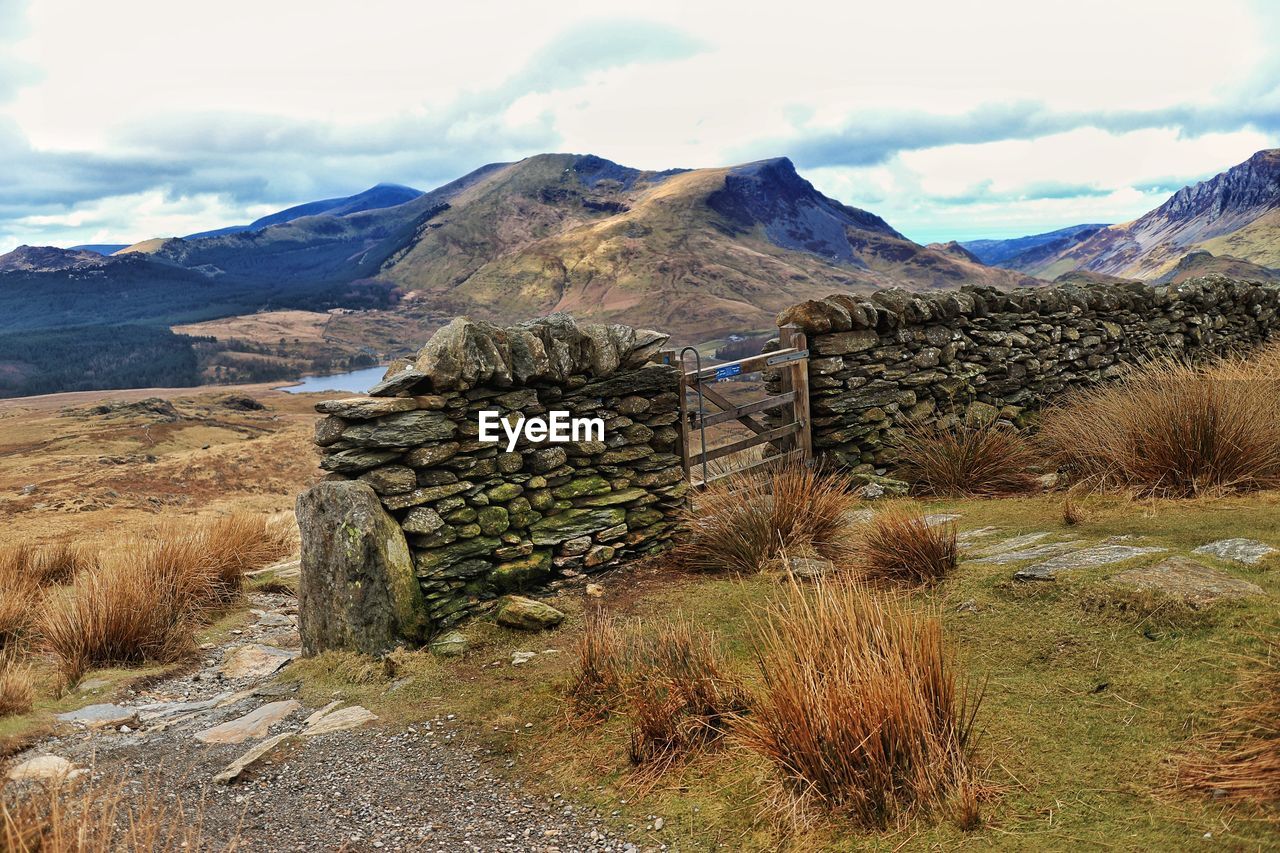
881 362
481 521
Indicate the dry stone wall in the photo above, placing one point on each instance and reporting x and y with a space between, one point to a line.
480 520
881 362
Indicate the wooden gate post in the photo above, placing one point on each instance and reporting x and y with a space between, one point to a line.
795 377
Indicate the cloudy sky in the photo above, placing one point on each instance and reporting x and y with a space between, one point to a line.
136 118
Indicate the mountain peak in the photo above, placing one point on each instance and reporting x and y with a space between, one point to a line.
794 214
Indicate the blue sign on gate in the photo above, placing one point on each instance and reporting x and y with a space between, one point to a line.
728 370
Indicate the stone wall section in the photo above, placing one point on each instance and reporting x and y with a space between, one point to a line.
481 521
881 362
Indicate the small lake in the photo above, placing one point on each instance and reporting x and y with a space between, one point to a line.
355 381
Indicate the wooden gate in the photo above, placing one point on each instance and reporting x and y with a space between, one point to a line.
791 438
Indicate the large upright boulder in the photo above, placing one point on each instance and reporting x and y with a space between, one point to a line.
358 591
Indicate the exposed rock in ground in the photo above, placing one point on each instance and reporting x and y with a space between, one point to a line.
44 768
526 614
236 769
452 644
255 661
965 537
337 720
1239 550
101 716
254 724
358 589
1188 580
1035 552
1100 555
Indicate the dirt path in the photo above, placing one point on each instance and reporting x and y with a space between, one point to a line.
373 786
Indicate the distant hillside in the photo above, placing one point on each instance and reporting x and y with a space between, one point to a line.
100 248
1235 214
697 252
1005 253
374 198
1201 262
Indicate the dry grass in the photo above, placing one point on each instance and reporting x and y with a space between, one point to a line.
899 546
1241 758
1174 430
742 523
19 596
84 817
859 713
597 681
966 461
142 603
17 685
60 563
122 613
669 681
1073 512
676 693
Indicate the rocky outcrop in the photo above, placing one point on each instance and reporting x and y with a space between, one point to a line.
881 362
357 589
481 520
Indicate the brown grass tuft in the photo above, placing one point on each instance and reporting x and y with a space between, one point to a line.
1073 512
598 680
899 546
19 595
742 523
122 613
1174 430
1241 758
966 461
79 816
859 712
17 685
676 693
142 604
669 681
59 563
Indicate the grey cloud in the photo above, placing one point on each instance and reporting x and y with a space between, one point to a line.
874 139
264 159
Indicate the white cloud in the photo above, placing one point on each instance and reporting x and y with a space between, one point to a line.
946 118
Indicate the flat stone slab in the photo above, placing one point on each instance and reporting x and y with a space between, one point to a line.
44 768
342 719
937 518
101 716
1017 543
236 769
160 710
1099 555
1247 551
1036 552
254 724
255 661
1191 581
966 537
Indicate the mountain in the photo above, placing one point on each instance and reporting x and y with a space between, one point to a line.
35 259
100 248
1004 253
957 250
1235 214
700 253
1202 262
374 198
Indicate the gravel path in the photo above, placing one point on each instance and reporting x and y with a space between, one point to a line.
377 787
